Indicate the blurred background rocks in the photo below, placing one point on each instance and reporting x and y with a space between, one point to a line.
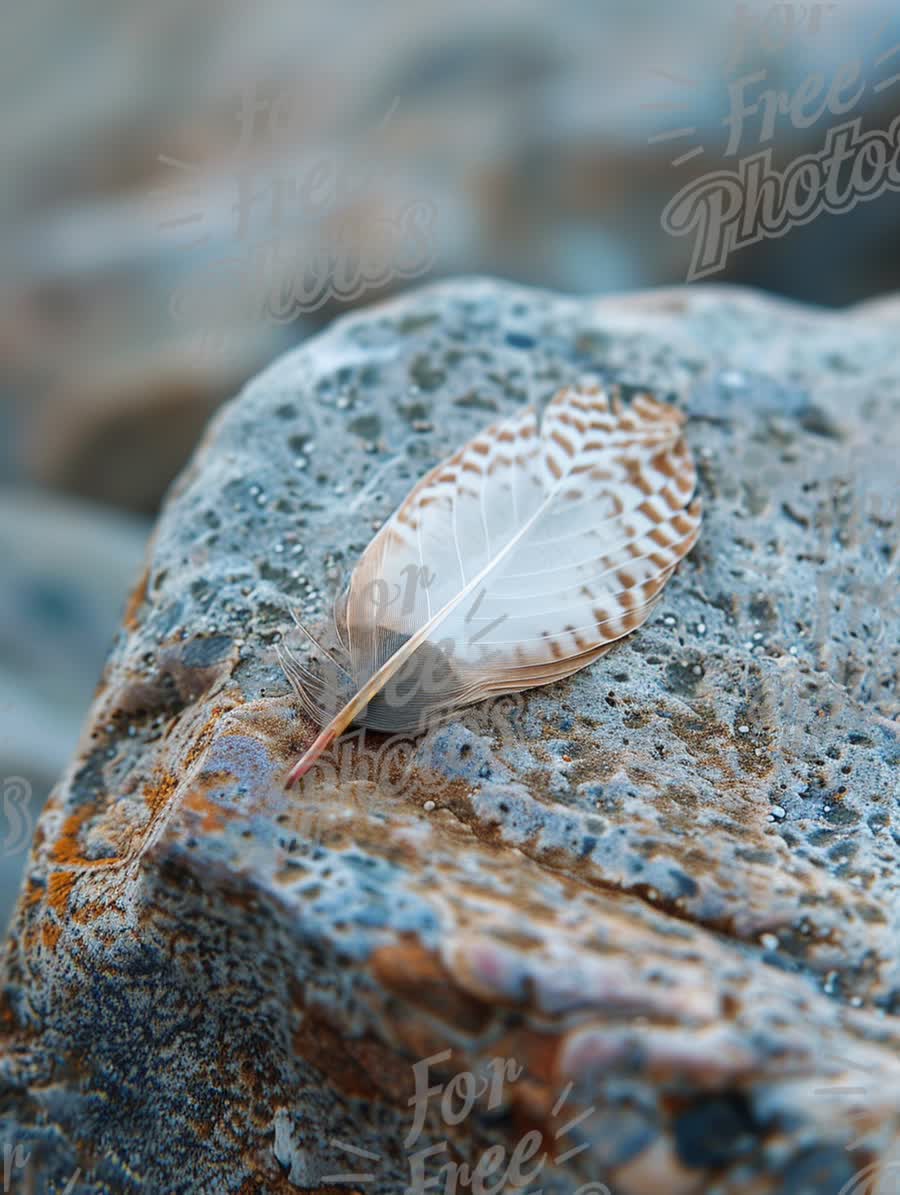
170 170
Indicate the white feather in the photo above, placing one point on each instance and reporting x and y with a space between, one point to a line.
517 561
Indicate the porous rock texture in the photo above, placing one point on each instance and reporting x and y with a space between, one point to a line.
663 894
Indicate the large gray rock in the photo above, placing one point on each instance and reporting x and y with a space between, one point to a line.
666 890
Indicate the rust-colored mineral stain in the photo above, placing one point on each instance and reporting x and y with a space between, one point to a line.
412 972
50 933
201 740
319 1044
66 849
136 600
538 1055
159 794
213 815
33 894
59 888
88 912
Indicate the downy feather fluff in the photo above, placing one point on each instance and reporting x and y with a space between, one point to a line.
514 563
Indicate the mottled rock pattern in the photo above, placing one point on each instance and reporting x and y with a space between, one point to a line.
670 882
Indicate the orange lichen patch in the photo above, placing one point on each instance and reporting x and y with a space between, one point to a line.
58 891
159 794
59 888
89 912
50 933
410 971
201 741
213 816
33 894
66 848
136 600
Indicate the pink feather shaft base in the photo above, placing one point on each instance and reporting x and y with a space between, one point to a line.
316 749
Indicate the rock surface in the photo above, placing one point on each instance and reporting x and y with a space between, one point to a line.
664 893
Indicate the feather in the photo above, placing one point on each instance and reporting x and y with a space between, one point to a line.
515 562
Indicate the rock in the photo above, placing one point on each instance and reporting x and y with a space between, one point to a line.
579 902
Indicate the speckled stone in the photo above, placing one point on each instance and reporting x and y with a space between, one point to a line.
667 888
